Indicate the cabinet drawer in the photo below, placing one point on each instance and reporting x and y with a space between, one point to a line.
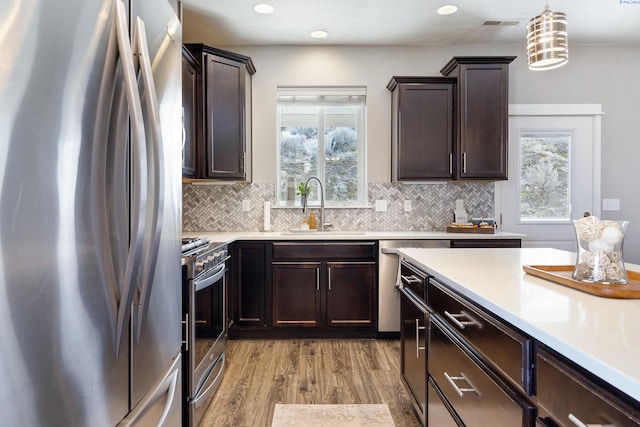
439 414
303 251
477 399
413 279
508 350
563 392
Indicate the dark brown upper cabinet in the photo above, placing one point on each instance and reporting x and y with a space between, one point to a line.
422 128
189 114
482 102
224 105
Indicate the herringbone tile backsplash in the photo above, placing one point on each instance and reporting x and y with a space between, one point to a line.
219 207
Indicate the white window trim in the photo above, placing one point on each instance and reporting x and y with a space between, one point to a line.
594 110
363 187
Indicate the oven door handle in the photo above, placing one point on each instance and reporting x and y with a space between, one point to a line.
201 284
210 383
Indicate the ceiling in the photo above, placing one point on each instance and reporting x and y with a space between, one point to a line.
403 22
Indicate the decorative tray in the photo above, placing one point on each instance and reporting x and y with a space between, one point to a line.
561 274
476 230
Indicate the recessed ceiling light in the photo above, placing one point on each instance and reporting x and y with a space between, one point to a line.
447 9
263 8
319 34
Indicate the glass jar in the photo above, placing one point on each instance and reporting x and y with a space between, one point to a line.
599 257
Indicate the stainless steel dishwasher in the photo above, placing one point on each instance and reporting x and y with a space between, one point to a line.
388 294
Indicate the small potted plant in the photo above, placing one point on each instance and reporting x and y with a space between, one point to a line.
303 190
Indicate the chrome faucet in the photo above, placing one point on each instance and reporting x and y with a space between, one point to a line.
304 202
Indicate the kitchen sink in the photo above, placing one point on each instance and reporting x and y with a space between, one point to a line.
323 233
347 233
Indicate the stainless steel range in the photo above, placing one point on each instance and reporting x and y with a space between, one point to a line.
204 272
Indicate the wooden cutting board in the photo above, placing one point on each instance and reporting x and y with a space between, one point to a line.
478 230
561 274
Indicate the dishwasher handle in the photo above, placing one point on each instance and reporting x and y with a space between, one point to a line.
389 251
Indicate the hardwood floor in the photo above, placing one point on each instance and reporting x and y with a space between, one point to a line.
261 373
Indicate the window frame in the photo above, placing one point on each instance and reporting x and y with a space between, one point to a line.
571 178
323 97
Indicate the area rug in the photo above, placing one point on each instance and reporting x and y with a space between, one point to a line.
332 416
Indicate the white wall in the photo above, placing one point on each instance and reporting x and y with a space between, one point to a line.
604 75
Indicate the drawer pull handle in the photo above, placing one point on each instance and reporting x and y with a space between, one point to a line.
410 279
461 391
418 329
579 423
456 319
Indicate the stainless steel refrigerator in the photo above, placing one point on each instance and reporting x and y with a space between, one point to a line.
90 212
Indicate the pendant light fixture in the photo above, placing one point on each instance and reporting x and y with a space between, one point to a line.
547 45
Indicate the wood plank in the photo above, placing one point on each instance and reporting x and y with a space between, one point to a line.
261 373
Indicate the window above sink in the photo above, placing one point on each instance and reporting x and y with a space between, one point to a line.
321 132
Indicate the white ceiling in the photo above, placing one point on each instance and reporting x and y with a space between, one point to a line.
403 22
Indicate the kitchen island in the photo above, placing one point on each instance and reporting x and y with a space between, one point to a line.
599 335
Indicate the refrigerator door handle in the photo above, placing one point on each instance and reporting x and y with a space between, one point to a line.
155 178
139 171
163 390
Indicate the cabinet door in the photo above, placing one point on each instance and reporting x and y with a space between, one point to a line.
351 294
225 115
483 121
414 333
249 290
423 140
189 114
296 294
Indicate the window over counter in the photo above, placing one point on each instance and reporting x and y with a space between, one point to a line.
321 133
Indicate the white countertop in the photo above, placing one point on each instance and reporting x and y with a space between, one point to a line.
600 334
345 235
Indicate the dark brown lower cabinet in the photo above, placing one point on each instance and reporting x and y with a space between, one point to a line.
296 294
568 396
324 294
413 363
250 285
351 294
477 397
325 286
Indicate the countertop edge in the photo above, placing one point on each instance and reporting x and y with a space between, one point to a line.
231 236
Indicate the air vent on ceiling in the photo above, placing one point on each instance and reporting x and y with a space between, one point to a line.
496 22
